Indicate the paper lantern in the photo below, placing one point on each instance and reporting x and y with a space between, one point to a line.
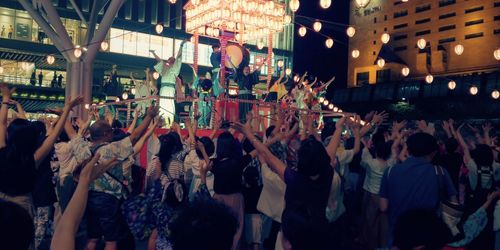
321 99
326 102
355 53
385 38
104 45
51 59
317 26
288 19
125 96
335 109
159 28
260 45
77 52
473 90
325 4
381 62
405 71
330 106
329 43
350 31
288 71
156 75
429 78
280 63
362 3
452 85
495 94
294 5
459 49
117 99
496 54
132 91
172 1
421 43
302 31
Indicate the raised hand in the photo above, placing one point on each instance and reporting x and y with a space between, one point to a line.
340 123
487 127
369 116
92 170
397 126
56 110
473 129
379 118
6 92
153 111
74 102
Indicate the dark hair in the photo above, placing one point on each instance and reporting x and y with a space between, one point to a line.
313 158
41 131
248 146
303 230
21 134
169 145
208 144
378 138
204 224
227 146
482 155
451 145
420 228
99 130
16 226
383 151
421 144
215 46
269 131
116 124
327 130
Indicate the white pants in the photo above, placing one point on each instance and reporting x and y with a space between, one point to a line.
167 106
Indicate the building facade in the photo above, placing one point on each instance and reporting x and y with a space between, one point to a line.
24 45
443 24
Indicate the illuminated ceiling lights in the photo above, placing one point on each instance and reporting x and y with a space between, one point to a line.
125 96
429 78
385 38
459 49
104 45
247 20
421 43
329 43
473 90
496 54
294 5
330 106
321 99
452 85
355 53
404 1
325 4
302 31
381 62
405 71
317 26
362 3
51 59
350 31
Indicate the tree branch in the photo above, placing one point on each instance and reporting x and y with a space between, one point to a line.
79 12
55 21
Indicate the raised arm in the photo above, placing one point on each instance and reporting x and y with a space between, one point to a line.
157 58
151 113
462 143
48 143
486 134
331 149
64 235
6 95
144 138
179 53
20 111
134 121
376 120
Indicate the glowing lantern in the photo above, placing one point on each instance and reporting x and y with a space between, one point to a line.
87 106
159 28
421 43
362 3
294 5
405 71
330 106
117 99
156 75
459 49
385 38
473 90
326 102
125 96
280 63
429 78
132 91
317 26
329 43
325 4
77 52
404 1
340 110
288 71
288 19
335 109
104 45
51 59
296 78
495 94
172 1
496 54
302 31
355 53
321 99
452 85
381 62
350 31
260 45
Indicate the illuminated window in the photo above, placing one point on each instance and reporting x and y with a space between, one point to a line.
156 45
143 42
168 46
204 52
130 43
116 41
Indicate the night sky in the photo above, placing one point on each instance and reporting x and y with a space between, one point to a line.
310 52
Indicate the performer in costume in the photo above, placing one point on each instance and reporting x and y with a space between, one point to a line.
169 70
215 60
276 90
203 86
143 89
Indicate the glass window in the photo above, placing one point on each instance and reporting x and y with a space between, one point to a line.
6 25
187 51
362 78
168 45
116 41
156 45
143 42
23 29
204 52
130 43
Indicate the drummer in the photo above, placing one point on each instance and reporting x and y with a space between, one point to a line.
215 60
203 86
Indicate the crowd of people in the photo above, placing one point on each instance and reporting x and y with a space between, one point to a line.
351 183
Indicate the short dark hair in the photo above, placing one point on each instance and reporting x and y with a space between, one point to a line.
482 155
216 46
451 145
312 151
303 230
204 224
227 146
420 228
421 144
99 129
209 146
383 150
16 226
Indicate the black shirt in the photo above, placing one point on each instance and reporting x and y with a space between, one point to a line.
44 192
17 172
228 174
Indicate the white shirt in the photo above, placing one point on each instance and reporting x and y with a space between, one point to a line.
71 154
374 170
272 198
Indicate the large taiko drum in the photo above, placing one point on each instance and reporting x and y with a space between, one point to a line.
240 57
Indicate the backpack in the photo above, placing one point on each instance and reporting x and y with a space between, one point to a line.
175 193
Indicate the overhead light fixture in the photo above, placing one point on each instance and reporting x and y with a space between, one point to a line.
317 26
355 53
156 75
104 45
159 28
125 96
326 102
405 71
288 71
350 31
429 78
325 4
51 59
496 54
421 43
473 90
381 62
362 3
302 31
77 52
385 38
452 85
459 49
495 94
294 5
329 43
